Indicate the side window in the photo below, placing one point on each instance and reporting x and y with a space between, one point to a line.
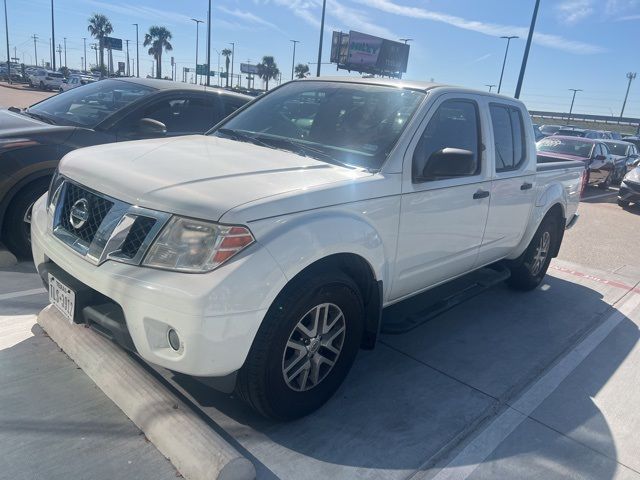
509 137
598 150
454 125
181 115
231 104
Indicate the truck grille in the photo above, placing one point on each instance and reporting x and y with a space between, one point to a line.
101 228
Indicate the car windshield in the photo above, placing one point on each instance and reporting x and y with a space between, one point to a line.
352 124
549 129
565 146
90 104
617 148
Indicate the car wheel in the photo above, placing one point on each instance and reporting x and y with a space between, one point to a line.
304 348
607 182
530 269
42 87
623 203
16 229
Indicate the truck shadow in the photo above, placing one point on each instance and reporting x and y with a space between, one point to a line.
406 405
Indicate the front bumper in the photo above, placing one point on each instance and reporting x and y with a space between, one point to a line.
629 191
216 314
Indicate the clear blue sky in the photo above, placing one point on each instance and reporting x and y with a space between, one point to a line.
587 44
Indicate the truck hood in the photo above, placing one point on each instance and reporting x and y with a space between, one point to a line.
197 176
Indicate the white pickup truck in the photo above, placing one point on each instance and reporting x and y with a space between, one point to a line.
263 253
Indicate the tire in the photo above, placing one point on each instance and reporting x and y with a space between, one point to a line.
607 182
16 232
623 203
527 272
261 381
42 87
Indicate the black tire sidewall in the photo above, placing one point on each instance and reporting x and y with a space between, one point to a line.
14 231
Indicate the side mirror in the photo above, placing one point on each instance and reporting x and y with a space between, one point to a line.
151 127
600 158
448 163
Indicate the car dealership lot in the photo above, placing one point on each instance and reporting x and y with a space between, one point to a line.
507 385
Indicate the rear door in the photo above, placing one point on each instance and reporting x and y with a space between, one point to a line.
513 183
442 220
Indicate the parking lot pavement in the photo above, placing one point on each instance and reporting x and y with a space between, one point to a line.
20 96
54 422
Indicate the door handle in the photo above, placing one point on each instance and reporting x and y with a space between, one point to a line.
526 186
481 194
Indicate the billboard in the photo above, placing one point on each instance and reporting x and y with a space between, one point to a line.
112 43
248 68
369 54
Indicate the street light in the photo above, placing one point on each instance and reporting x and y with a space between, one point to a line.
504 62
525 57
574 90
6 26
631 76
53 38
293 62
198 22
324 8
490 86
137 52
233 56
406 40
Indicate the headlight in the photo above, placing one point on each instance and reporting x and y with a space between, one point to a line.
53 195
633 175
188 245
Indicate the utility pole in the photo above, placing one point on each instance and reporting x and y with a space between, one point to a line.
523 67
137 53
6 27
94 46
208 82
490 86
60 53
84 40
53 38
233 56
128 72
65 51
293 62
198 22
631 76
324 8
35 47
574 90
504 62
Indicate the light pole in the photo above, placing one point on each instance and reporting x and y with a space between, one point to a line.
209 45
490 86
233 56
631 76
94 46
504 62
65 51
198 22
293 61
406 40
35 47
523 67
324 8
128 72
137 52
53 38
573 99
6 26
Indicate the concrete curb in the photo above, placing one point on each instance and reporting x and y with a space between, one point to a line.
196 451
7 259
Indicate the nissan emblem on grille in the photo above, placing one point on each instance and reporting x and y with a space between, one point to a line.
79 213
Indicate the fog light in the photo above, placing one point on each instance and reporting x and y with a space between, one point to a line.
174 339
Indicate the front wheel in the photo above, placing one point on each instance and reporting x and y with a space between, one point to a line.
530 269
304 348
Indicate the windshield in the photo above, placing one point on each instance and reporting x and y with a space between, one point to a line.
352 124
549 129
90 104
565 146
617 148
571 133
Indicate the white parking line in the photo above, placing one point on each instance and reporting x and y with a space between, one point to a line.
601 195
483 445
23 293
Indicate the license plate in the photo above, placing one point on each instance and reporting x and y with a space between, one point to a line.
62 297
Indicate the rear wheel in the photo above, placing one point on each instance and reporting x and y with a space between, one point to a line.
42 87
531 268
16 228
304 348
607 182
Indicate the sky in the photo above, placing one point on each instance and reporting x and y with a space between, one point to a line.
584 44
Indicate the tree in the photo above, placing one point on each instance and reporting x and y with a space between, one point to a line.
158 38
226 53
64 71
268 70
302 70
100 27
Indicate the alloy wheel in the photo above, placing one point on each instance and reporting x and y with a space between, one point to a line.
540 256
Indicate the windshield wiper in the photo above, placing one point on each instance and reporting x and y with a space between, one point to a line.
37 116
242 137
306 151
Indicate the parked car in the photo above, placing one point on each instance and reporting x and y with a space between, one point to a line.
76 81
633 139
583 133
46 79
603 168
614 135
629 191
626 155
262 254
550 129
33 140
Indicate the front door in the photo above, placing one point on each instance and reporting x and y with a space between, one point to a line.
444 206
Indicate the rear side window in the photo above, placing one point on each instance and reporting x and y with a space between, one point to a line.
509 137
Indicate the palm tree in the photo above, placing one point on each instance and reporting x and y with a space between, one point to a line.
100 27
158 38
302 70
226 53
268 70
